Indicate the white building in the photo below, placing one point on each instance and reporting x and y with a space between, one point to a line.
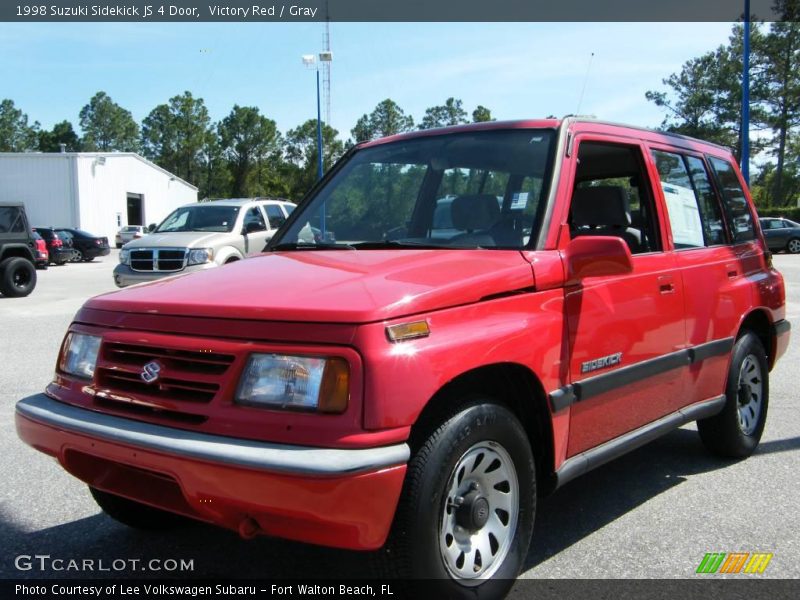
95 191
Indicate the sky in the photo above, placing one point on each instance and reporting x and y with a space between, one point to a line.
518 70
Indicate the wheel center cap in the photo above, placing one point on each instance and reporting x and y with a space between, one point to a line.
473 512
744 394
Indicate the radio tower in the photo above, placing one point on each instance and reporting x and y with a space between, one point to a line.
326 68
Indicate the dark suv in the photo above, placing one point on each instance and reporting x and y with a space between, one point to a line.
17 251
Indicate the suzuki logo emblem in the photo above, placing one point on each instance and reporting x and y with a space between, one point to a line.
151 371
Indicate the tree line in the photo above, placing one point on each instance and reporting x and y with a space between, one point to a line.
704 100
242 155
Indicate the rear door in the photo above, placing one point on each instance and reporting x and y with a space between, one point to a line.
625 332
716 251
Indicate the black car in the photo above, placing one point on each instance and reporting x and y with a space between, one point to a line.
85 246
60 250
781 234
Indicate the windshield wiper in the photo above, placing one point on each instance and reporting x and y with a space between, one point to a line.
308 246
375 245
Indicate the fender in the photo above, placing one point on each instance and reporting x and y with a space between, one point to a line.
525 329
22 250
225 253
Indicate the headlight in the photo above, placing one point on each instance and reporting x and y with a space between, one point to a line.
80 355
200 256
295 382
125 256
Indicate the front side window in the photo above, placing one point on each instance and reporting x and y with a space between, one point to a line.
734 200
612 196
254 220
466 190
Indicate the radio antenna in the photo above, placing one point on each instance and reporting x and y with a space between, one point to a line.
585 81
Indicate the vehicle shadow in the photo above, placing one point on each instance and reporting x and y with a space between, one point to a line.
562 520
594 500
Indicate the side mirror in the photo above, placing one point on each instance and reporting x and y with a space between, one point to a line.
151 228
252 227
596 257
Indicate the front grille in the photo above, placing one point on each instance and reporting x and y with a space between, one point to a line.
186 379
158 259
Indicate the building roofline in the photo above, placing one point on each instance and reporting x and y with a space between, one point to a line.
103 155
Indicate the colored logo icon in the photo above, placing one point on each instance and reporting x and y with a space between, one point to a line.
734 562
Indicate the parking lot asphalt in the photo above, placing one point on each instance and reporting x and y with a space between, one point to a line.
653 513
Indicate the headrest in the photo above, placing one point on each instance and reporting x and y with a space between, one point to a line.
475 211
600 206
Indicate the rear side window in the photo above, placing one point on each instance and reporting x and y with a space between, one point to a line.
734 200
275 215
11 220
682 203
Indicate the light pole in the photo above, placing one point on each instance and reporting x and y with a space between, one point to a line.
746 95
310 61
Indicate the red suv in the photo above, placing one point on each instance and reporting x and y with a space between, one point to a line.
416 383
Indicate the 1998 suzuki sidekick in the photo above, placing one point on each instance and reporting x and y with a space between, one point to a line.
506 306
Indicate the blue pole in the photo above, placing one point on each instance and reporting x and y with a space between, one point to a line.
319 133
746 96
319 158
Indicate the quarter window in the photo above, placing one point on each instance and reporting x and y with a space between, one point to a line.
734 200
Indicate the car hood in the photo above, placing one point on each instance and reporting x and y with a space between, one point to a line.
341 286
177 239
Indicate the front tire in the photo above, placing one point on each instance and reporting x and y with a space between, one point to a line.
17 277
466 513
793 246
736 431
77 256
135 514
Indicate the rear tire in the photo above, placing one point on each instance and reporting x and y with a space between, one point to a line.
465 517
17 277
135 514
736 431
793 246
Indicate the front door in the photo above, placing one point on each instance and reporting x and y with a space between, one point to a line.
626 332
256 232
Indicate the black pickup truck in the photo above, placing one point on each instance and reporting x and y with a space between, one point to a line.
17 251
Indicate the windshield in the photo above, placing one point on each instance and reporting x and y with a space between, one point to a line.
479 189
200 218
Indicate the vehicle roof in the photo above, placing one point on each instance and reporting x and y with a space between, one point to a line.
241 201
640 132
15 204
